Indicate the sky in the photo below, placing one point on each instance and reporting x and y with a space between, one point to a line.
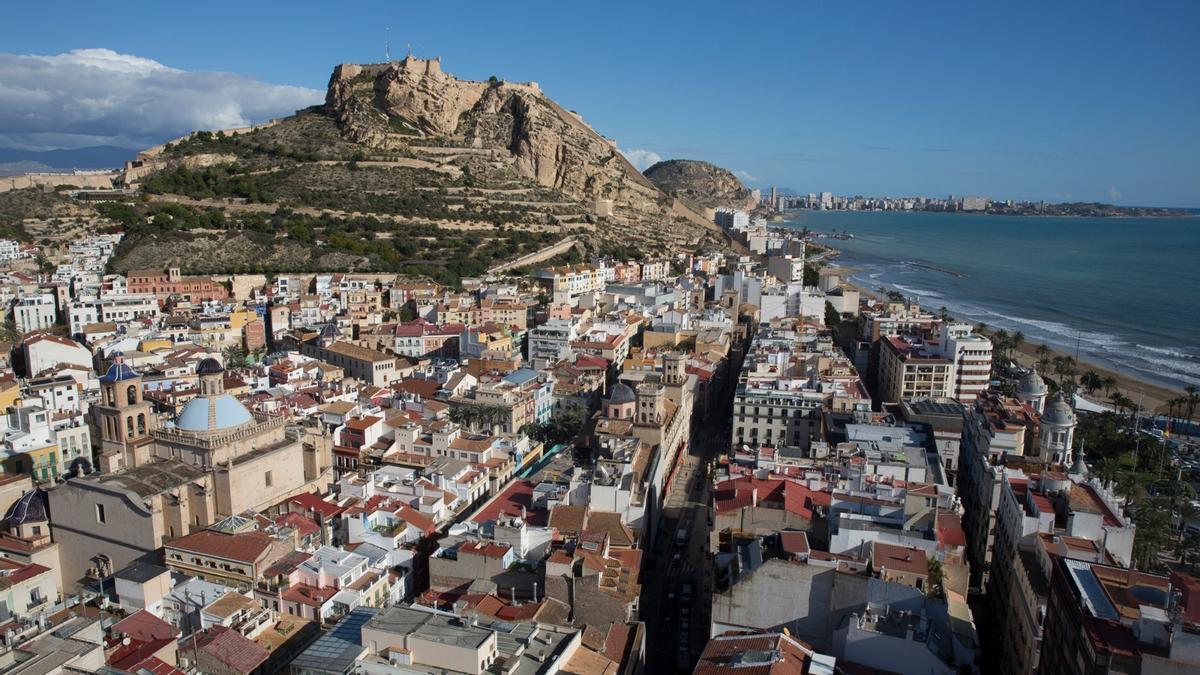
1056 101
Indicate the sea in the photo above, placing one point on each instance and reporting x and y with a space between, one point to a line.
1121 292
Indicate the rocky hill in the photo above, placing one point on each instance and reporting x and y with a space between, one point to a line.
705 185
405 168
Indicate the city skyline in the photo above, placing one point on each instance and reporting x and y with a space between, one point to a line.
1022 102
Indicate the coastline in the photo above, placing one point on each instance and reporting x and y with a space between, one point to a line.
1152 396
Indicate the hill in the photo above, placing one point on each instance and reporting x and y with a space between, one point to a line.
405 168
707 186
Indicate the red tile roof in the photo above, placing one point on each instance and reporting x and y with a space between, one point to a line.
899 558
518 495
245 547
949 530
142 625
304 525
794 542
311 501
229 647
487 550
415 518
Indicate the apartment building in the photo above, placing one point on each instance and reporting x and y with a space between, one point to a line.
909 369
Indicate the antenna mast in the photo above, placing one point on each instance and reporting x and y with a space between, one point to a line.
387 44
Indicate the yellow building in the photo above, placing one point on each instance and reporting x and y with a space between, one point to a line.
41 463
10 391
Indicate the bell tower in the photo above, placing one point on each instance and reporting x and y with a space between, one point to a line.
122 420
650 408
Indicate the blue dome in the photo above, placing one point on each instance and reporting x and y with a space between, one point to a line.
621 393
31 507
224 411
209 366
118 372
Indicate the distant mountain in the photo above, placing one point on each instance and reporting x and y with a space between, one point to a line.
14 161
706 185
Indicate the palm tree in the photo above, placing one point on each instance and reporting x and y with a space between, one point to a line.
1091 381
9 332
1154 535
937 576
1193 400
1109 383
1017 339
1127 486
1106 470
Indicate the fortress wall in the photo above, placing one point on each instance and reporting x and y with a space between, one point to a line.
49 181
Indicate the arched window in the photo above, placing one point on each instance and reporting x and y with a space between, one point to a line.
129 425
141 423
131 394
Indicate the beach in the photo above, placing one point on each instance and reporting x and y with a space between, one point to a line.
1151 396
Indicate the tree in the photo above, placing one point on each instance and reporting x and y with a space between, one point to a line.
832 318
1154 534
937 577
1106 470
9 332
1127 486
234 356
1193 400
1091 381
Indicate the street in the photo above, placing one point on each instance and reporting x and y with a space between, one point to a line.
675 595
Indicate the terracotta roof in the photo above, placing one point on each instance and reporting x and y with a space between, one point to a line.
142 625
794 542
569 518
304 525
241 654
899 558
311 501
487 550
417 387
306 594
417 519
949 530
245 547
610 523
362 423
776 654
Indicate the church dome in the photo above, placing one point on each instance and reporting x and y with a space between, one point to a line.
209 366
1031 384
213 413
621 393
1058 412
118 372
30 508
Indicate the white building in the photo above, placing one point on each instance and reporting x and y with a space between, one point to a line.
972 357
35 312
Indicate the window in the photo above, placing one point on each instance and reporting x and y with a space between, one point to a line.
100 518
267 478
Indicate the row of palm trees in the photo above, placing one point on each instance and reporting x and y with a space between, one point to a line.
479 417
1161 519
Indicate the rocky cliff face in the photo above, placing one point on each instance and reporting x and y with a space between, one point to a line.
707 185
414 104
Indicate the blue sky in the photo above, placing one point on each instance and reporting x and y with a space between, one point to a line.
1094 101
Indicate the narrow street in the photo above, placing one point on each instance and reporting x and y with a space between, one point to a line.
675 597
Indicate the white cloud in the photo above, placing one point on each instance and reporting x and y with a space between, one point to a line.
745 176
1113 193
641 159
98 96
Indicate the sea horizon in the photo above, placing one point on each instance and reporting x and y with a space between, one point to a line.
1109 289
